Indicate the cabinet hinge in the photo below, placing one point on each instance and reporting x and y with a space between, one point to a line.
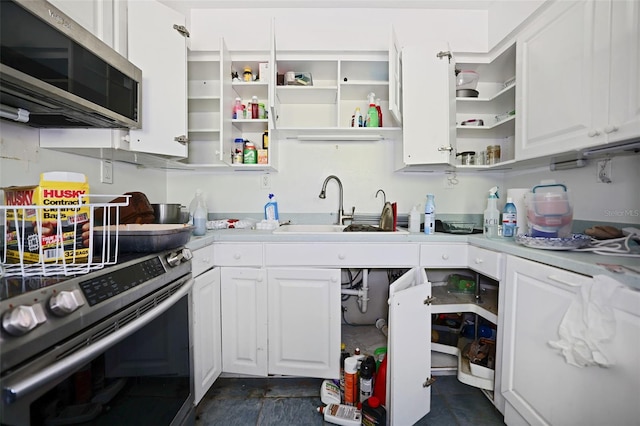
182 30
181 139
429 300
429 382
444 54
445 148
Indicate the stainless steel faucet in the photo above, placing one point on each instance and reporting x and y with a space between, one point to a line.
341 216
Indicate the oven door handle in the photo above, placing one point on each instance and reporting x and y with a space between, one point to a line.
11 392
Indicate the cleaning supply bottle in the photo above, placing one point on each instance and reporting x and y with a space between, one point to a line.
492 215
271 209
194 203
343 355
509 219
351 381
367 371
341 414
373 414
379 112
414 219
237 109
356 118
430 215
373 112
199 214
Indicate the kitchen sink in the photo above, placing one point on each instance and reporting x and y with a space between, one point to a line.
326 229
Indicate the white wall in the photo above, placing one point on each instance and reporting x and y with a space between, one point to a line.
505 16
617 202
22 161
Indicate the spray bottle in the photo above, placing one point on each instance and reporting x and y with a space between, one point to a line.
430 215
492 215
373 111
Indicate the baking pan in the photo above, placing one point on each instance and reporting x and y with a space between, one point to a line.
145 238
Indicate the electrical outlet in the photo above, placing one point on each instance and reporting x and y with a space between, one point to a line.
604 171
265 181
106 171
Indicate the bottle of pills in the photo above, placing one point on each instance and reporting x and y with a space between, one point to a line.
247 75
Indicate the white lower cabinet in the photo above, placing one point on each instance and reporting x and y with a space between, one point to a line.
244 320
207 340
540 387
304 322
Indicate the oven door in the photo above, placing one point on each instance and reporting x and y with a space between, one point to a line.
132 368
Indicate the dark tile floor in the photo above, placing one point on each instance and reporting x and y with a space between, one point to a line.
293 401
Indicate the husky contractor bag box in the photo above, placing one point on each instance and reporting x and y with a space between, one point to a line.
56 231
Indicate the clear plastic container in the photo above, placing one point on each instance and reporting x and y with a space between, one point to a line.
467 79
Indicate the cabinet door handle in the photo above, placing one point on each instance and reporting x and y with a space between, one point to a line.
237 256
341 256
594 132
610 129
479 261
445 256
561 281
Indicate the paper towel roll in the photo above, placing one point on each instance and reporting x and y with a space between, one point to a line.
517 195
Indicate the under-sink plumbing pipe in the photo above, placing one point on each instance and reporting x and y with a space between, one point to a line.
362 293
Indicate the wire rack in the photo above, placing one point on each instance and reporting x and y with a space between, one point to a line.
60 240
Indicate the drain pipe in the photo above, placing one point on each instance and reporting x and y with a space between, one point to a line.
363 293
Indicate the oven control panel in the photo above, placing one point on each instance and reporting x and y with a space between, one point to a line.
104 287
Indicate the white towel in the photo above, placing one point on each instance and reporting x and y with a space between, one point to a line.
588 323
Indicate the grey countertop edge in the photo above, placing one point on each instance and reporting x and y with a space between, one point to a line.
584 263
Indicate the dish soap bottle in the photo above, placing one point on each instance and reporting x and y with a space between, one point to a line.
430 215
198 210
372 114
271 209
492 215
509 219
414 219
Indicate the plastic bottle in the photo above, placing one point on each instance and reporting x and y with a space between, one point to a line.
199 214
329 392
379 112
271 209
492 215
250 153
373 112
351 381
255 108
237 109
373 414
356 118
509 219
430 215
380 383
193 204
414 219
343 355
341 414
367 371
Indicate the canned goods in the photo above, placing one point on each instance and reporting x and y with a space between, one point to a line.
493 154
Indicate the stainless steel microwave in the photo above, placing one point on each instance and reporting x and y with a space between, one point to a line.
56 74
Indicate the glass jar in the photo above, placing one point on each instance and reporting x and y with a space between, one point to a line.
493 154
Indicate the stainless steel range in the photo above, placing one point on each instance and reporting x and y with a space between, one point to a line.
73 349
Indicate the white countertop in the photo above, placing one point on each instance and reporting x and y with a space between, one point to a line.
585 263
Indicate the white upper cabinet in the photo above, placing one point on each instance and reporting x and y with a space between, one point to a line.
428 105
159 50
578 77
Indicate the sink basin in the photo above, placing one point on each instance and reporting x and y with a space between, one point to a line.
324 229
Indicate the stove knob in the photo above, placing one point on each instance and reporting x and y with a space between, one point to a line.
65 302
23 319
183 255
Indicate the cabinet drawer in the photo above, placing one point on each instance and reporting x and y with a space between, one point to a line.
342 255
486 262
231 254
443 255
202 260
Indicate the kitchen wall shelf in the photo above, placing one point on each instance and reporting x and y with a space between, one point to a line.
497 93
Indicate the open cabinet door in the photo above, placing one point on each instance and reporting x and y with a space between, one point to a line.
227 135
395 78
409 348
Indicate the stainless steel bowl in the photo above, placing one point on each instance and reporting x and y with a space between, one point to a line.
166 213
